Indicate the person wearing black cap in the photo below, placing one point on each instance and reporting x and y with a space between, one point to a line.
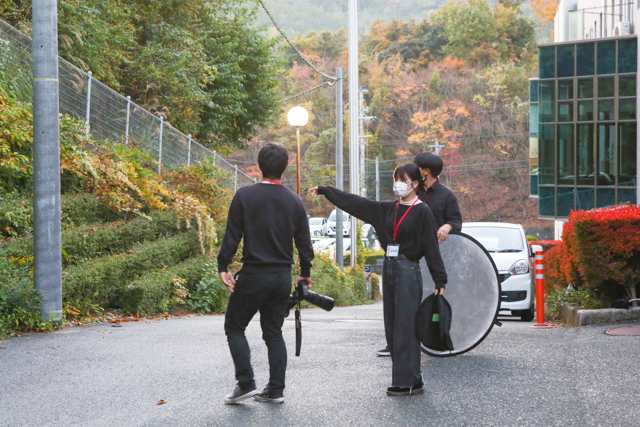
440 199
407 232
269 217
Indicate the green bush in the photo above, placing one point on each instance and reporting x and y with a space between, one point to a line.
16 215
375 287
582 298
84 208
357 281
19 302
532 238
101 279
210 296
158 291
92 241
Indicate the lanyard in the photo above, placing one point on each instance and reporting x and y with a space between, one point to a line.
273 182
396 226
432 191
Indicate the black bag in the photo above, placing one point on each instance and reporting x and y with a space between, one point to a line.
433 322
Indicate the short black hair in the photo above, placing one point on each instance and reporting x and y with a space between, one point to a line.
429 161
273 160
407 170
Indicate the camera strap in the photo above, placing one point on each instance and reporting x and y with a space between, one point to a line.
298 330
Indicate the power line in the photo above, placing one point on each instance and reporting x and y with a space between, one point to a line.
293 47
309 90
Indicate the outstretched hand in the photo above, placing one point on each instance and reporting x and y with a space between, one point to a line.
314 191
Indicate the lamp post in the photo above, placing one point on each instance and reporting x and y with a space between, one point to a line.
298 117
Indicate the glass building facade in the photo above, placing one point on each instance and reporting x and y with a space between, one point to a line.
583 127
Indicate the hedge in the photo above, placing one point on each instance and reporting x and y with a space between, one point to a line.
546 244
101 279
153 292
92 241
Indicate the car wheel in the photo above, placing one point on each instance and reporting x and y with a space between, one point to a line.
317 233
526 315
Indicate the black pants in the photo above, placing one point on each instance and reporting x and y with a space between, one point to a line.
402 295
268 293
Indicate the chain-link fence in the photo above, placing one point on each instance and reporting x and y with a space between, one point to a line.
108 115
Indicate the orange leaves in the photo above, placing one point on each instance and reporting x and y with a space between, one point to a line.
545 9
440 124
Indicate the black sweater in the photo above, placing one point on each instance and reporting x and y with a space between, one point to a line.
416 234
443 204
270 217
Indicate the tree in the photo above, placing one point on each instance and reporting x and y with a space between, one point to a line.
546 11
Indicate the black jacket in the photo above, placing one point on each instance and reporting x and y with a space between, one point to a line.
443 204
269 217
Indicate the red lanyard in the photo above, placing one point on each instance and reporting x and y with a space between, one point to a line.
273 182
395 218
433 191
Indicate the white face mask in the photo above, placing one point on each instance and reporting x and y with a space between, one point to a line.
402 189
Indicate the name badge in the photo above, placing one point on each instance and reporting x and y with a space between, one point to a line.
393 251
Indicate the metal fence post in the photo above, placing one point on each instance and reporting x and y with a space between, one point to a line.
160 146
235 179
88 113
377 178
126 130
189 154
215 153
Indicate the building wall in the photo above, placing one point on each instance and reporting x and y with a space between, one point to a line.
592 19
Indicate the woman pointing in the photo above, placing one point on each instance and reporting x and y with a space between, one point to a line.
407 232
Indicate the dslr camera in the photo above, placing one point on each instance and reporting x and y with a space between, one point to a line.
302 293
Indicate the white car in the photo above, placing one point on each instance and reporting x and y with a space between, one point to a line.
322 245
318 226
346 224
507 245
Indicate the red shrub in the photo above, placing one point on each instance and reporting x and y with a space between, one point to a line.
546 244
554 277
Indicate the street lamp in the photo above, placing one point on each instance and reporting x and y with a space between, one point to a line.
298 117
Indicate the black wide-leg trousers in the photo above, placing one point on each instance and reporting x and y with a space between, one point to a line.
402 295
269 294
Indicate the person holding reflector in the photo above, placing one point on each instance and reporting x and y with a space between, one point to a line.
407 232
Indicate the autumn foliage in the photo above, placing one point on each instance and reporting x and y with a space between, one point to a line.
545 9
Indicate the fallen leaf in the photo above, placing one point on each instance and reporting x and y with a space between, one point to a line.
161 402
158 320
125 320
55 348
117 325
3 348
21 373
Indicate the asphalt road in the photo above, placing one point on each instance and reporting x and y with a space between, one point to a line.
99 375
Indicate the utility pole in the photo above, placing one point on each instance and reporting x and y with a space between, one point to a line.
377 178
339 169
353 118
363 142
47 245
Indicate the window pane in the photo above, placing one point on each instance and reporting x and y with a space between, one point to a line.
627 56
533 117
585 111
566 172
565 89
627 109
627 195
565 201
605 110
585 199
547 59
533 91
533 185
546 154
585 54
605 197
585 154
547 102
565 112
627 156
606 57
606 87
606 140
585 88
565 61
546 201
627 86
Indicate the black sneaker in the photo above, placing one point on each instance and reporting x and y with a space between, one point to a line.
240 394
270 396
385 352
406 391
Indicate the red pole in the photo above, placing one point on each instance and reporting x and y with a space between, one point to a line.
539 275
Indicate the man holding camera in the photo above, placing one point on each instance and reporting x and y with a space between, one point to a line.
270 217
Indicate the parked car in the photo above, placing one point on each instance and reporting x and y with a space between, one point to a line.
346 224
318 226
507 245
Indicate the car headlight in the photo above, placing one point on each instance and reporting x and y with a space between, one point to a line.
520 267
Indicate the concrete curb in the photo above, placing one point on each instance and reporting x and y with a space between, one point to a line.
574 316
